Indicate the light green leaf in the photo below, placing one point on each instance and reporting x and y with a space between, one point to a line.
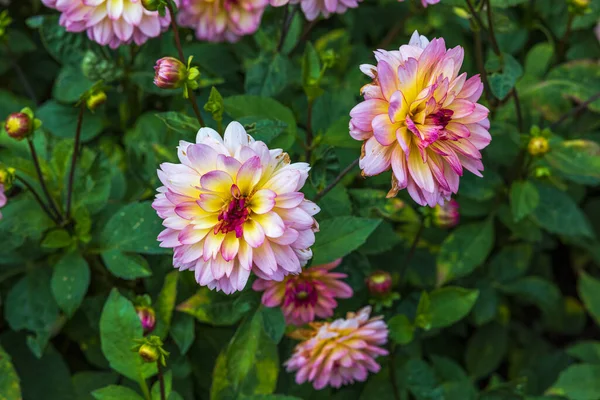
486 350
506 3
449 305
273 322
589 290
179 122
119 326
524 198
134 228
56 239
249 365
114 392
214 308
262 129
165 304
464 250
126 266
268 75
70 281
578 382
10 387
401 329
340 236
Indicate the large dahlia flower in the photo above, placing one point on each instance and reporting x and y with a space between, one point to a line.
313 8
110 22
233 206
222 20
304 296
421 119
340 352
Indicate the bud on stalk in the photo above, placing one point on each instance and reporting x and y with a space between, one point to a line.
18 125
379 283
170 73
446 216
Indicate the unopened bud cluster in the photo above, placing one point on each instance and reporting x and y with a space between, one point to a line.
171 73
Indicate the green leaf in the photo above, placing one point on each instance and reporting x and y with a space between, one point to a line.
506 3
179 122
578 382
70 281
464 250
340 236
70 84
558 213
401 329
262 129
183 331
10 387
537 291
270 397
66 47
57 239
480 189
486 307
168 380
575 161
586 351
449 305
511 262
337 135
256 106
336 203
87 382
30 305
114 392
589 291
61 121
214 308
119 326
134 228
501 83
538 60
268 75
126 266
421 380
165 304
273 322
249 365
524 198
486 350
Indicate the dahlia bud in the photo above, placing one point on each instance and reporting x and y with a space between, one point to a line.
149 353
446 216
379 283
152 5
7 177
578 7
147 318
18 125
538 145
150 350
170 73
95 99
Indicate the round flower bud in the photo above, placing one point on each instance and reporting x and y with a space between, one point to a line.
379 283
170 73
151 5
147 318
7 177
18 125
446 216
149 353
538 146
95 100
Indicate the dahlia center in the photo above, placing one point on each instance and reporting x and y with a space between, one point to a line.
442 117
305 293
234 215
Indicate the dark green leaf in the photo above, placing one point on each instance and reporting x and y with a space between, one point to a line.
502 82
165 304
126 266
214 308
340 236
486 349
114 392
524 198
87 382
70 84
180 122
268 75
535 290
449 305
401 329
578 382
273 323
558 213
61 121
57 239
183 331
262 129
70 281
589 290
511 263
586 351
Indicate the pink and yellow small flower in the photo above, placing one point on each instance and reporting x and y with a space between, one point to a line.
341 352
421 120
110 22
222 20
447 215
313 8
309 294
3 198
233 206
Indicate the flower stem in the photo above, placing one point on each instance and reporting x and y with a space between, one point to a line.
337 180
518 109
38 199
191 95
560 52
38 170
74 160
144 387
575 110
309 132
392 368
22 77
161 380
411 252
492 35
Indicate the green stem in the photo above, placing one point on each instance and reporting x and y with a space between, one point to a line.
161 380
38 199
144 387
518 109
411 252
392 368
491 30
309 131
74 160
337 180
38 170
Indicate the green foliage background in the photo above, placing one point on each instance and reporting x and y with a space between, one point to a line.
505 306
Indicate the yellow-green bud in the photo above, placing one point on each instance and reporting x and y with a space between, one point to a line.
152 5
7 177
149 353
95 99
18 125
538 146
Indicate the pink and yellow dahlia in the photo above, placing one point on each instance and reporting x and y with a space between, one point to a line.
233 206
222 20
340 352
421 119
313 8
304 296
110 22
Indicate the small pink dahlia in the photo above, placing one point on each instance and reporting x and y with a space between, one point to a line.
313 8
421 119
110 22
340 352
309 294
233 206
222 20
426 3
3 198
